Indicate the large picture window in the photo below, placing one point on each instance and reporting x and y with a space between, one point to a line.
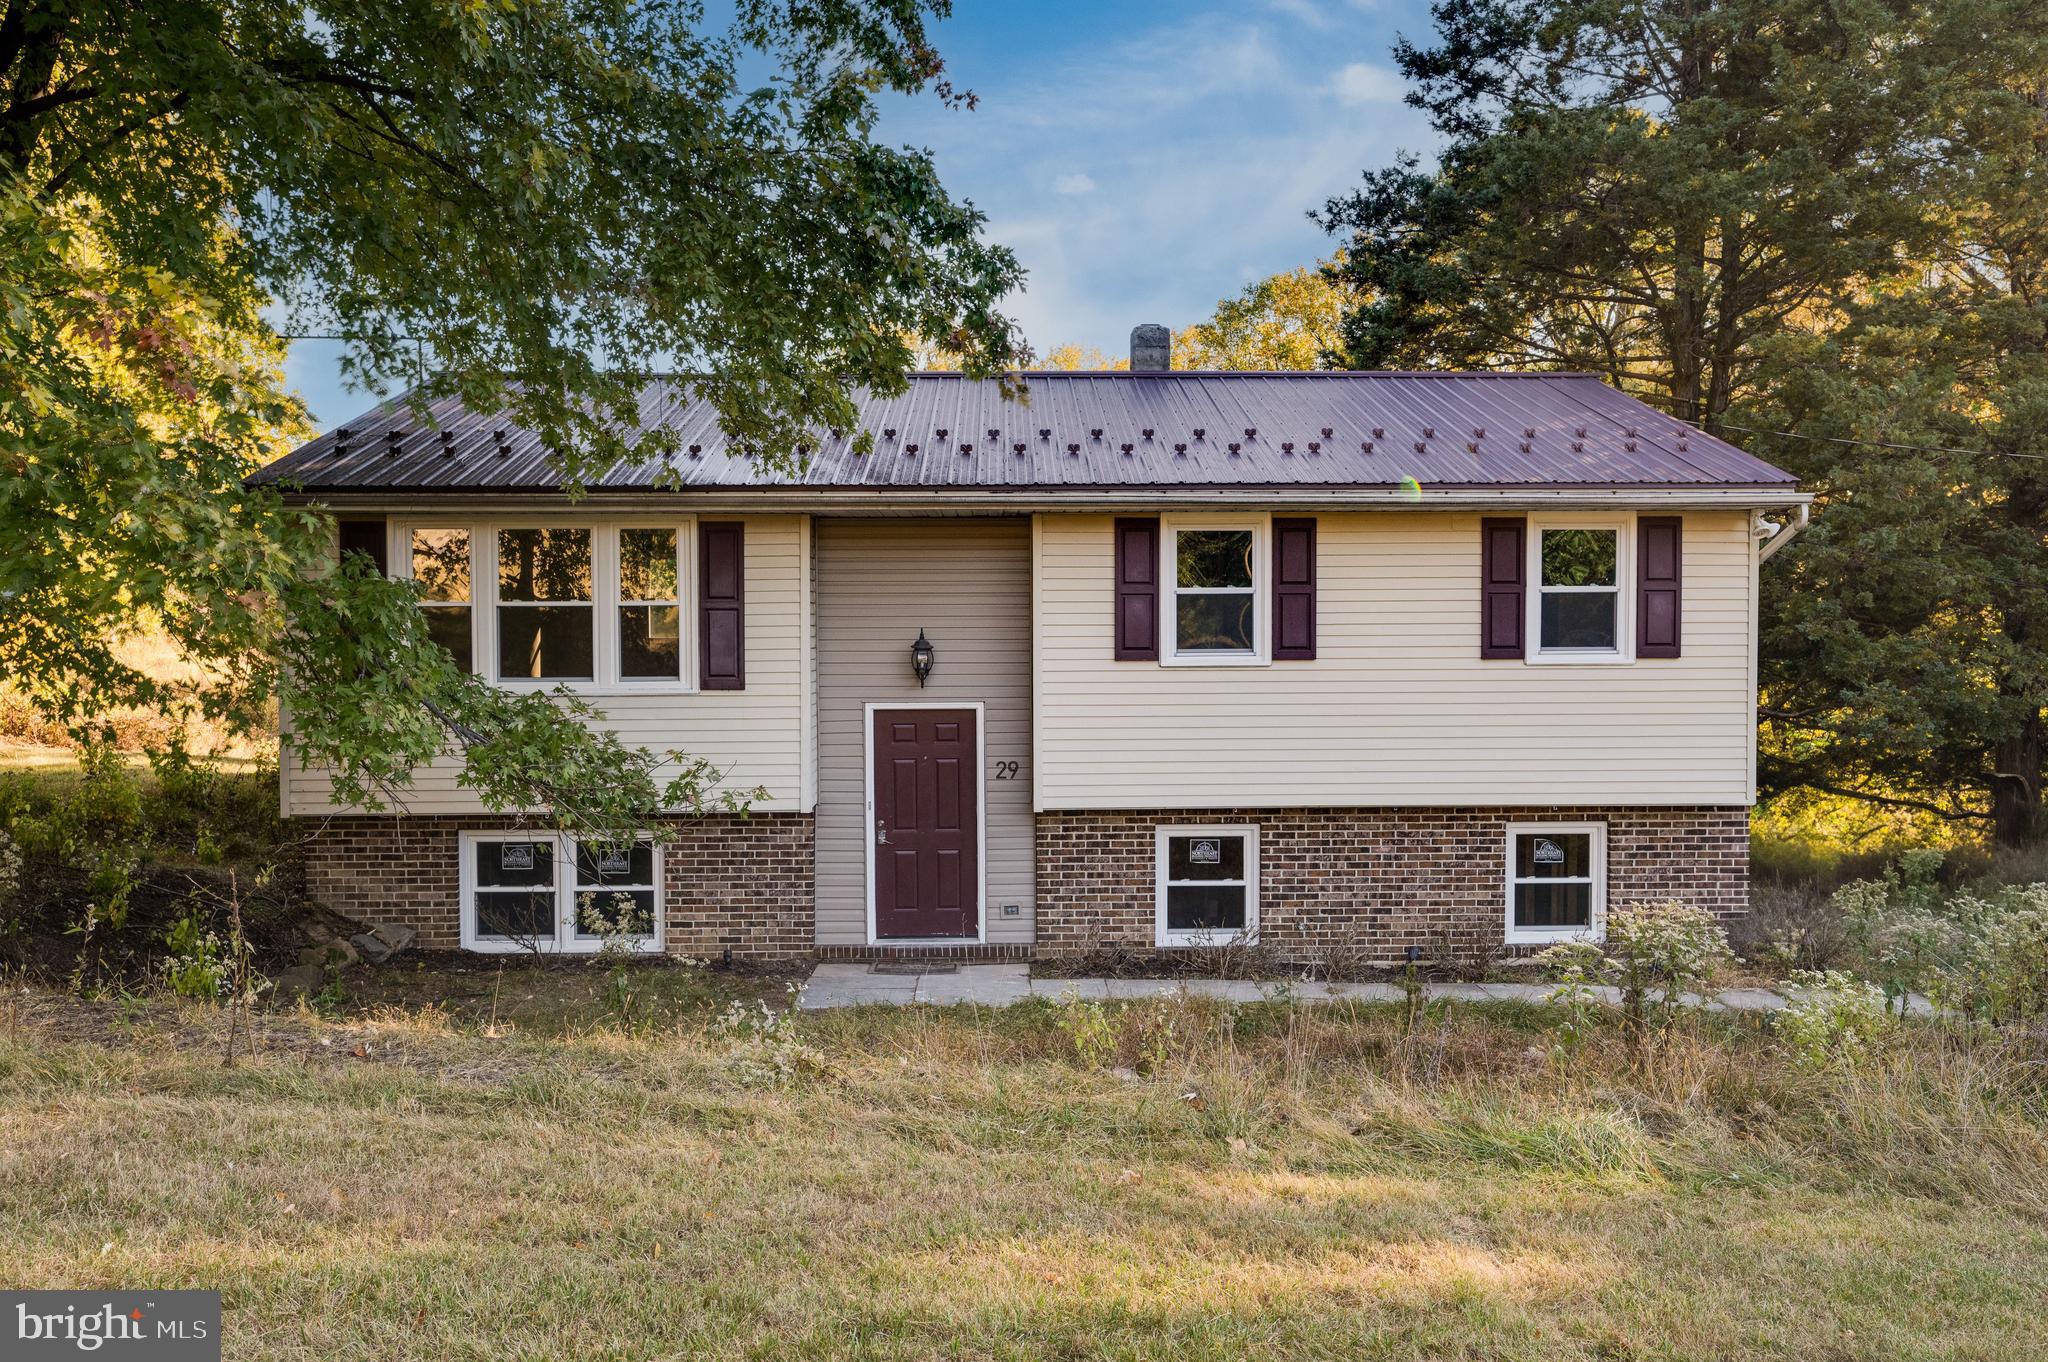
1208 885
1216 571
1557 882
1579 611
551 892
604 607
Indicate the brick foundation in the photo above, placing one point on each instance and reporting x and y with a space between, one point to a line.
1372 882
744 884
966 953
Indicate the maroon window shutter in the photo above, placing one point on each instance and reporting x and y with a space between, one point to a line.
1659 569
1137 590
367 538
721 605
1294 590
1503 572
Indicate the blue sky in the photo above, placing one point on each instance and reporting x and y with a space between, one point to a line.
1143 159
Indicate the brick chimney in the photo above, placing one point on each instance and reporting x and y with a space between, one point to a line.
1151 349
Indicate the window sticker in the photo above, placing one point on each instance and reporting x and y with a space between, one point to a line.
1548 852
1206 851
614 862
515 855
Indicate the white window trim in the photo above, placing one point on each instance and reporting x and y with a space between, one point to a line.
1597 917
604 603
1170 529
1167 939
565 940
1624 650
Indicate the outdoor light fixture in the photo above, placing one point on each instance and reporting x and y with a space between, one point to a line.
922 655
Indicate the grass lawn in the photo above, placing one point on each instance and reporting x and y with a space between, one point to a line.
1288 1183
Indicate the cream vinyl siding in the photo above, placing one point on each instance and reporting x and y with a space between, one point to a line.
1398 709
967 584
756 735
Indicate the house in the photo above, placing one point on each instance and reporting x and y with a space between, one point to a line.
1345 661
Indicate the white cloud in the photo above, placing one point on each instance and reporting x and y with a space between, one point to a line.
1306 11
1206 144
1074 184
1364 83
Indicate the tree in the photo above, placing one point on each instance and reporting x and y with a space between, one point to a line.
1290 320
1646 190
1820 219
1074 357
547 199
1905 655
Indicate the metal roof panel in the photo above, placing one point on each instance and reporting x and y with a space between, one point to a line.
1445 429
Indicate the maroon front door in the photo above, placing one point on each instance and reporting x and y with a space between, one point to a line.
927 823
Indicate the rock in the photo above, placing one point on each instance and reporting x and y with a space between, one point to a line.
396 935
372 947
1127 1075
318 932
297 982
329 955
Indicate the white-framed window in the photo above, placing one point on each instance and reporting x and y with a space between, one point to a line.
550 892
1208 884
1214 568
1556 882
547 630
440 560
650 609
601 607
1580 604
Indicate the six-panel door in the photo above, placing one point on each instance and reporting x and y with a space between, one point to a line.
926 823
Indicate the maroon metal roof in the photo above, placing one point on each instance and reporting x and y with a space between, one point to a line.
1089 431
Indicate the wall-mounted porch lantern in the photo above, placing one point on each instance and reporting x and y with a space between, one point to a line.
922 655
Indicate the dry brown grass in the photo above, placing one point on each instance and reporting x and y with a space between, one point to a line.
29 738
1287 1182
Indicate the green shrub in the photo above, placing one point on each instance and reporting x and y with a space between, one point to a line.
1086 1022
1831 1018
197 965
1981 951
1657 954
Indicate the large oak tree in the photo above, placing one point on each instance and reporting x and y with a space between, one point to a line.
532 204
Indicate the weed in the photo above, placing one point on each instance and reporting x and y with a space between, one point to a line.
1832 1018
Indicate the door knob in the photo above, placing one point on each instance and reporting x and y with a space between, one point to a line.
881 833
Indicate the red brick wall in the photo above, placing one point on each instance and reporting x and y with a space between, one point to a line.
1375 881
742 883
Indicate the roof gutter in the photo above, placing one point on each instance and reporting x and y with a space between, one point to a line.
1774 536
897 500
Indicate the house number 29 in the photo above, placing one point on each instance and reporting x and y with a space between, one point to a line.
1006 770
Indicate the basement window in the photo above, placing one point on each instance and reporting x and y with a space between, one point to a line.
1207 885
551 892
1556 882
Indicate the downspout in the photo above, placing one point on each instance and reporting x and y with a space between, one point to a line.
1776 536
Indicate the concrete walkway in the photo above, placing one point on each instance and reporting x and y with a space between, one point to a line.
851 985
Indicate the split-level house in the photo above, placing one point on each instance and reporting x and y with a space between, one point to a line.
1336 661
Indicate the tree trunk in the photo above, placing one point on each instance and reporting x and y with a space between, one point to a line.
2016 784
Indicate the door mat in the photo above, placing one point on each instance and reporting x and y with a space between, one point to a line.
914 967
